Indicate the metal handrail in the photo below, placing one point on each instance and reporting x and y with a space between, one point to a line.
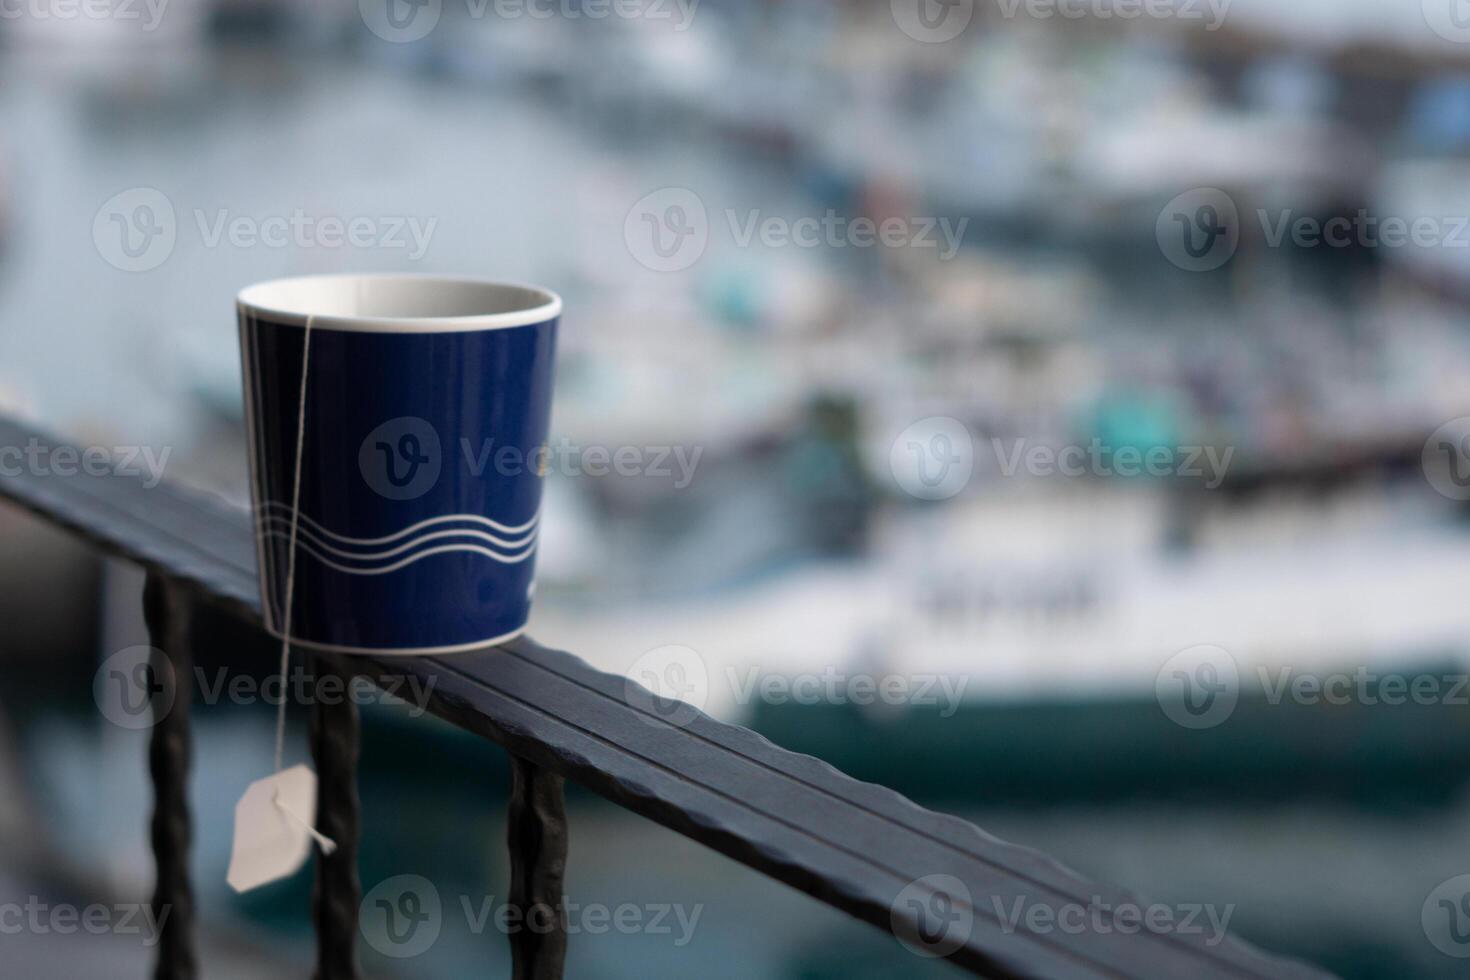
856 846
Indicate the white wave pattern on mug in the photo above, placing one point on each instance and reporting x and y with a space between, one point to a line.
320 542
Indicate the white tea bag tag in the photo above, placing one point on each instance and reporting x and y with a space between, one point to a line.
273 829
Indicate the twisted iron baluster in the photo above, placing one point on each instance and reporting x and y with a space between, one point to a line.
337 892
167 610
537 835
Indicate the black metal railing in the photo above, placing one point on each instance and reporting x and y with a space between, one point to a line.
856 846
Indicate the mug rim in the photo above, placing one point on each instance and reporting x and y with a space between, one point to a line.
528 304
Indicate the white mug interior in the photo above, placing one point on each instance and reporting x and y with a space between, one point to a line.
400 303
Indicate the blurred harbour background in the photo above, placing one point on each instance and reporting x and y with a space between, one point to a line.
1049 174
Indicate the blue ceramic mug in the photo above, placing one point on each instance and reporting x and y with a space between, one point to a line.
422 406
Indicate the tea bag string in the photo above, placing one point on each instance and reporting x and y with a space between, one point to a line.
326 843
291 548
